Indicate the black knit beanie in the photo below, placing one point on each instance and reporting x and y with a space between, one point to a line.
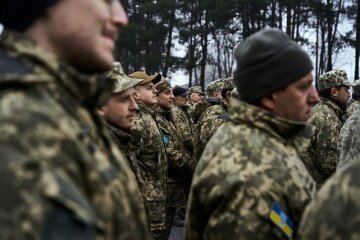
266 62
20 14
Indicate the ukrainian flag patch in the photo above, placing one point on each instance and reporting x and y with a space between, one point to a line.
281 220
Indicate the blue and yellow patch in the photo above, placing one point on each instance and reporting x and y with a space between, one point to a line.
166 139
281 220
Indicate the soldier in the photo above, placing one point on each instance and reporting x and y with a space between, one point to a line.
326 118
196 97
355 101
349 146
334 213
61 176
151 153
180 163
250 182
215 112
182 119
119 111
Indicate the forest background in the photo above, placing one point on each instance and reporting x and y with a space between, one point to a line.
194 39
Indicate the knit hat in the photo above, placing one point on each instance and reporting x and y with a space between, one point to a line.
333 78
267 62
20 14
179 91
121 81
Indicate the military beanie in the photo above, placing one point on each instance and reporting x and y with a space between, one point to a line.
266 62
20 14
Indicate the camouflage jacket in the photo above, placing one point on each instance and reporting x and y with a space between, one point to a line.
349 143
351 109
196 109
180 163
55 153
184 126
250 166
320 159
152 161
334 213
123 139
209 121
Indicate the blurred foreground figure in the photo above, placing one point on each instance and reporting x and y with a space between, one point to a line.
61 176
334 213
250 182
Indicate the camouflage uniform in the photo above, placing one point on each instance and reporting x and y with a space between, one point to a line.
326 117
55 154
251 163
192 105
184 126
334 213
213 116
354 104
152 161
348 147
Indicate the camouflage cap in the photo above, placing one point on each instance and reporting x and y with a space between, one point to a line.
222 83
356 87
162 86
146 78
333 78
196 89
121 81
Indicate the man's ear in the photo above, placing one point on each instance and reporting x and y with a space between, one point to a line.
267 103
334 92
100 111
136 96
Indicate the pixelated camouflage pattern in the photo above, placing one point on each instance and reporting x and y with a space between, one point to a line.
348 148
184 126
162 86
334 213
250 163
195 89
352 107
222 83
54 152
320 159
121 81
181 165
122 140
209 121
196 109
333 78
152 161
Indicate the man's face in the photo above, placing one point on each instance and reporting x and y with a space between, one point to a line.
146 94
83 32
341 95
295 102
196 97
181 101
120 109
166 99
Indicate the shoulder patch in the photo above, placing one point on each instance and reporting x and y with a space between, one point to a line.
10 65
281 220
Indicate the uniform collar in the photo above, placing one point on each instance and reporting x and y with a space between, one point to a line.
123 136
241 112
331 104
